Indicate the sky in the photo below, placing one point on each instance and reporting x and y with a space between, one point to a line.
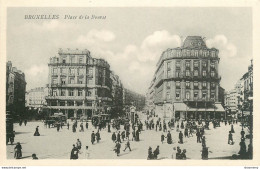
130 39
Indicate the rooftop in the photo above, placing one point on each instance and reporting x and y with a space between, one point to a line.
194 42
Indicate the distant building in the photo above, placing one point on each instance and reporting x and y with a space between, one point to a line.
150 106
221 95
15 91
79 85
187 82
132 98
35 98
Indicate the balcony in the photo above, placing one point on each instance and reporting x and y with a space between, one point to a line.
64 97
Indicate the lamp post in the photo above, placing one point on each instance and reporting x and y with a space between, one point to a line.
164 111
250 101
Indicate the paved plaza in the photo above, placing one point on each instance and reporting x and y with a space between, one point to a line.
57 145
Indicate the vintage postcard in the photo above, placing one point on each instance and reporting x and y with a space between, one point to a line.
130 83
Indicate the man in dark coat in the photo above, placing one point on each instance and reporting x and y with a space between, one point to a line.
198 136
37 131
68 125
137 136
74 153
242 150
86 125
156 152
18 151
169 138
180 138
113 137
118 139
108 128
92 137
186 132
230 138
98 136
242 133
204 153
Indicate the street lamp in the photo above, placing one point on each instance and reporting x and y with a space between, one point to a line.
250 100
164 104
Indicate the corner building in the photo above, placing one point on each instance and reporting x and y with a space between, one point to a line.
79 85
187 82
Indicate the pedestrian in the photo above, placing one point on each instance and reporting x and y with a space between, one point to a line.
169 138
117 148
182 125
98 136
150 153
203 141
18 151
186 133
20 122
180 138
74 153
232 129
74 127
113 137
204 153
123 135
127 145
92 137
36 133
25 122
108 128
127 134
162 138
81 127
86 153
183 154
164 127
34 157
198 136
58 127
230 138
86 125
78 144
242 151
242 133
160 126
178 127
137 136
118 139
68 125
191 131
12 136
61 124
178 154
156 152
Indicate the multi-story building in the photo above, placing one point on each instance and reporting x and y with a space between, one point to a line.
187 82
35 98
79 85
117 95
150 98
15 91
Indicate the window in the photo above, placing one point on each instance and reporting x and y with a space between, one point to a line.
178 64
90 81
187 95
63 92
196 53
71 93
204 73
196 85
204 64
72 59
212 85
204 94
89 93
168 96
63 71
178 74
187 73
54 92
169 73
63 60
187 64
168 85
81 60
196 73
177 95
168 65
187 84
72 71
72 80
196 63
212 74
212 95
63 80
204 84
178 85
80 93
81 71
90 71
54 81
212 65
54 71
195 95
80 80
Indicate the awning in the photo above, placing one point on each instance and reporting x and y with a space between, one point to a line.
219 108
180 107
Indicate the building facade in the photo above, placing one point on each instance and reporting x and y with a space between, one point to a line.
79 85
35 98
187 82
15 91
